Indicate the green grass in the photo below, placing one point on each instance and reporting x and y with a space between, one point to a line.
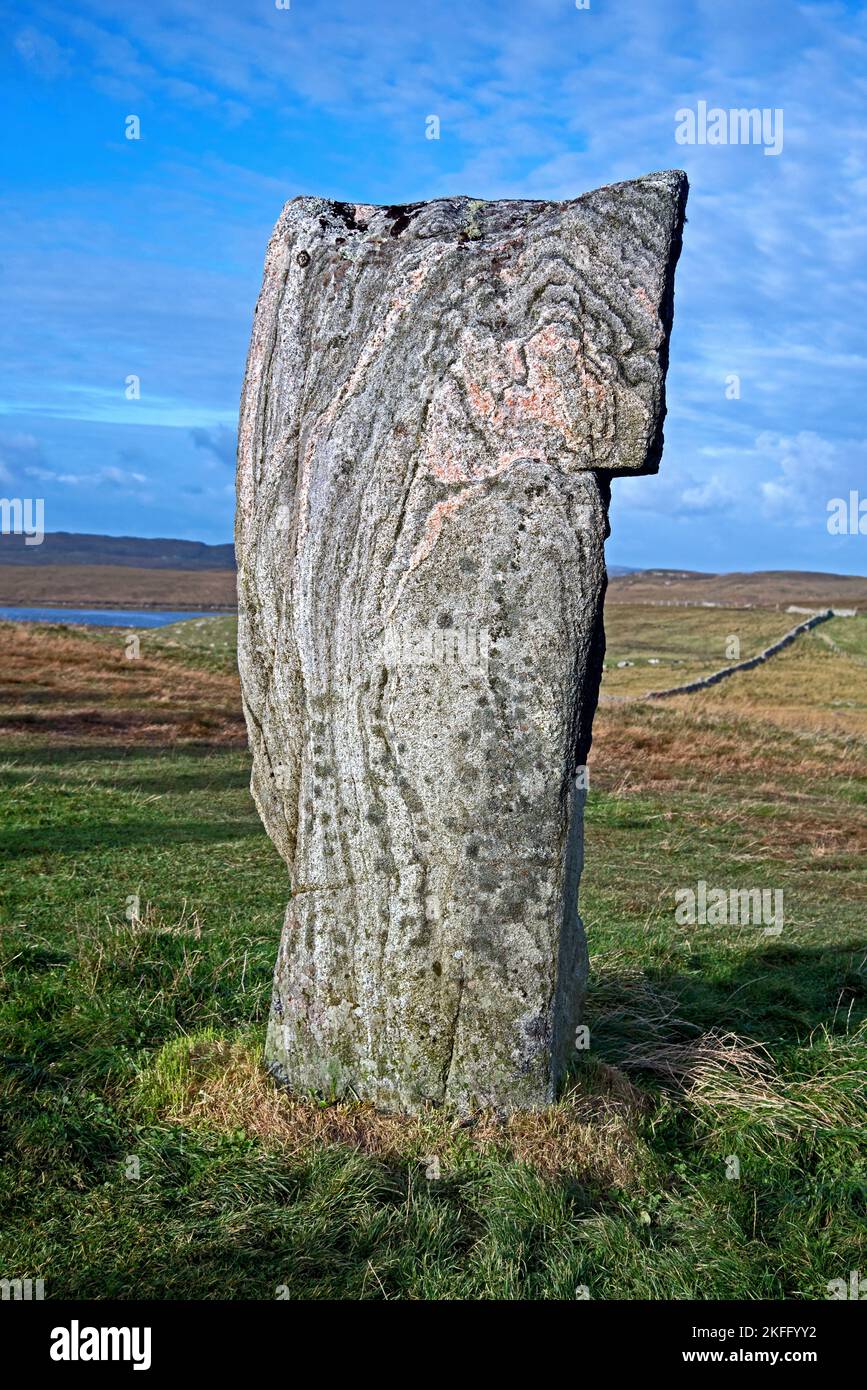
104 1022
694 635
849 634
207 644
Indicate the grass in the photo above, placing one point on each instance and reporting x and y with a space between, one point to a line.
670 646
699 636
145 1154
114 586
817 684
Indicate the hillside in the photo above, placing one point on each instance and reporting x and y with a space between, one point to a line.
90 571
68 548
115 586
763 588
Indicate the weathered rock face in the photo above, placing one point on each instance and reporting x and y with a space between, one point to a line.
436 398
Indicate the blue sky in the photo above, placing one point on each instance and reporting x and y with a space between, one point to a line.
143 257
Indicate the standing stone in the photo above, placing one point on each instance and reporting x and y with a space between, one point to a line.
437 396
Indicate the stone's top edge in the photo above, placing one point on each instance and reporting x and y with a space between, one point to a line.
464 220
676 179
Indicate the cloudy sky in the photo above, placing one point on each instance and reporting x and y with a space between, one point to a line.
123 257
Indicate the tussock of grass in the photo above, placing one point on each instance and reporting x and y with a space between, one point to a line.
631 1016
590 1135
723 1054
736 1089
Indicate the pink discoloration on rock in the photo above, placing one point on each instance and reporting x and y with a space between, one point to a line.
481 399
434 525
432 529
592 385
516 361
414 282
646 302
549 340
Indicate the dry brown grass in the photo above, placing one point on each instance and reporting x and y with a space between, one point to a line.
589 1135
58 684
730 1080
767 588
691 1063
687 744
115 586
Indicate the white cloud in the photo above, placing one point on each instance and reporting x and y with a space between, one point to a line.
41 53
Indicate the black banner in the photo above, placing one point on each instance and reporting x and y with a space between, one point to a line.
199 1338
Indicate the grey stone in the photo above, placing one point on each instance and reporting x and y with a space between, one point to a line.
436 398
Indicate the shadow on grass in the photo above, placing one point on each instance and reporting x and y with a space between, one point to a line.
137 723
73 754
163 772
33 840
160 783
779 995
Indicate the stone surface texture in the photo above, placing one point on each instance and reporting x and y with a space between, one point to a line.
436 399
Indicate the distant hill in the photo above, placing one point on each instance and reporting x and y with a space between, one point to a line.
104 571
67 548
760 589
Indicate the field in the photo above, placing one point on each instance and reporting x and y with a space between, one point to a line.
114 586
819 683
762 588
711 1141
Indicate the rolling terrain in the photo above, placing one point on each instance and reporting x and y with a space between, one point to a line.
137 552
762 589
81 571
711 1141
115 586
